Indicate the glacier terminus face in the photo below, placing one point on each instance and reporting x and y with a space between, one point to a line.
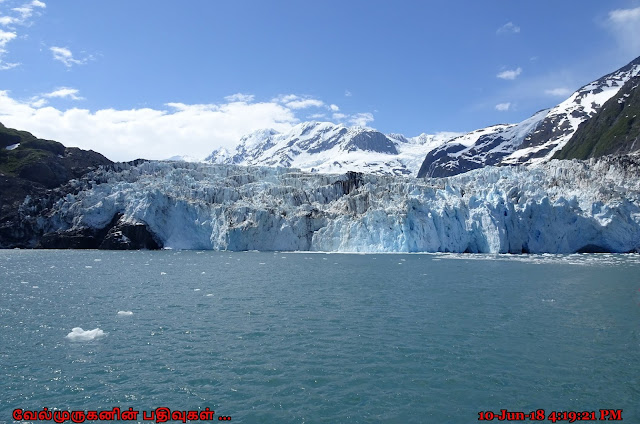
557 207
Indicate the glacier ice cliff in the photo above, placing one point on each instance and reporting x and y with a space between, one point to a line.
556 207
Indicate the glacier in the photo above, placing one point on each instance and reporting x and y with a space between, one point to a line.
554 207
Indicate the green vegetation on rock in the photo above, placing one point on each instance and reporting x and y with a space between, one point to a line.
41 161
615 130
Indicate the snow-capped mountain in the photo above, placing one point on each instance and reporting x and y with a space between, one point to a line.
532 141
477 149
325 147
615 130
559 207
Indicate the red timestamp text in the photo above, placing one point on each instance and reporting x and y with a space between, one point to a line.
553 416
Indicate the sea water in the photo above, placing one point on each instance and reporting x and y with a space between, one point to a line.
319 338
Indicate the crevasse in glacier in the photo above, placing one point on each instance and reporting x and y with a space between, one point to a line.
558 207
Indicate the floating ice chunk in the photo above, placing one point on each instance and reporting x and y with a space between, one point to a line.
210 295
79 335
35 287
196 289
24 282
163 273
88 266
125 313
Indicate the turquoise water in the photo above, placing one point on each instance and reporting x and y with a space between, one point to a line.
320 338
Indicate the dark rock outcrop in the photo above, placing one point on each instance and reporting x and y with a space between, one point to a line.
37 169
117 235
15 231
352 182
126 236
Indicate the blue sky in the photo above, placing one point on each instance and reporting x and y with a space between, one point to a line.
158 78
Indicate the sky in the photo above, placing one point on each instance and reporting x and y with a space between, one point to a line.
154 79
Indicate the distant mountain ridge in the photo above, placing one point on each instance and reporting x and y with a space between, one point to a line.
332 148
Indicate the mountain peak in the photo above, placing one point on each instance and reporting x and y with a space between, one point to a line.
328 147
531 141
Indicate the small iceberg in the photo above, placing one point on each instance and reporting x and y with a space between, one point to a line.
125 313
79 335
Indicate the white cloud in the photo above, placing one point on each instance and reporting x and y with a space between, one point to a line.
22 15
37 102
560 92
503 107
60 93
177 129
64 55
286 98
510 74
148 133
5 66
334 108
5 38
239 97
624 15
26 10
294 101
357 119
318 116
508 28
347 93
7 20
625 26
361 119
64 92
306 103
